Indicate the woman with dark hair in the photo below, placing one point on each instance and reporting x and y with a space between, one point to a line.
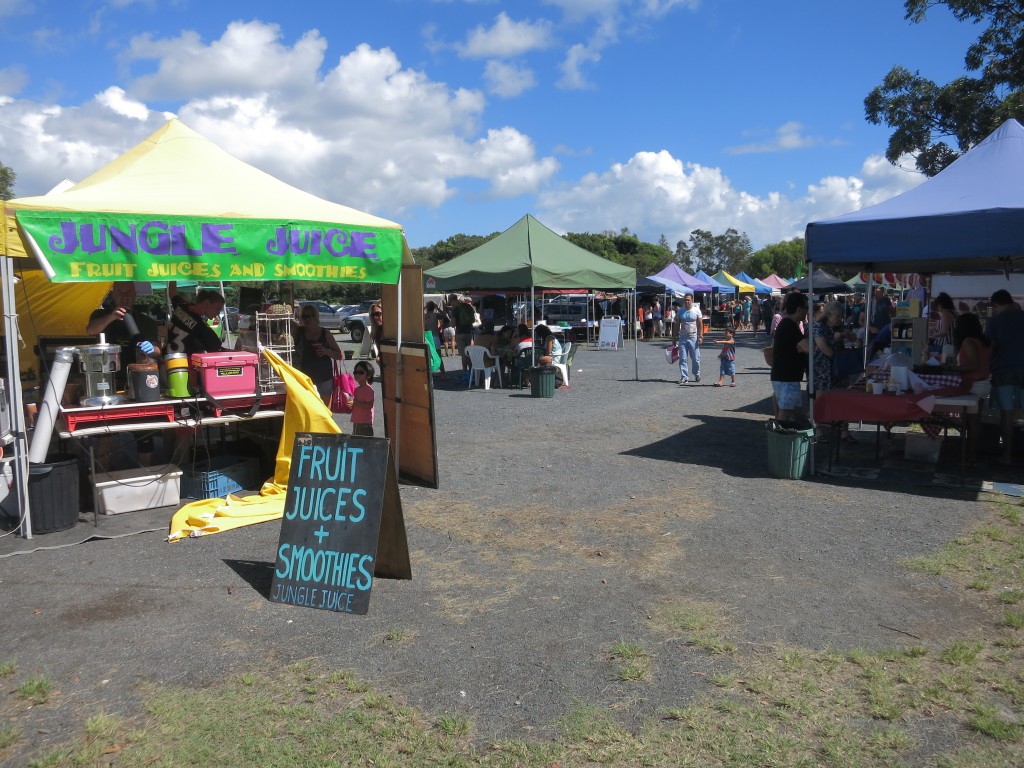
548 349
973 352
944 312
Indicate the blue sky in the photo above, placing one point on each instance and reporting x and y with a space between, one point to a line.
460 116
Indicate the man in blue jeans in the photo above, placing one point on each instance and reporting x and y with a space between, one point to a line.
789 361
689 330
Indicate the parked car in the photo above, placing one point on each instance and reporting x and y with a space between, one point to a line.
358 309
328 317
357 325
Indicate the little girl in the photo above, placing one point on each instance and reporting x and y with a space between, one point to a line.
727 358
362 400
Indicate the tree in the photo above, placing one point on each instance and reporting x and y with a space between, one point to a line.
7 177
926 116
781 258
446 250
624 248
728 251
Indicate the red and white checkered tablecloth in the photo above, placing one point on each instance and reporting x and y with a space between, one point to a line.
940 379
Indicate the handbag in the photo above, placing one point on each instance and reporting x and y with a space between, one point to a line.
847 362
672 354
769 355
344 384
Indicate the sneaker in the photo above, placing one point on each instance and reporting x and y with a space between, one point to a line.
683 382
697 378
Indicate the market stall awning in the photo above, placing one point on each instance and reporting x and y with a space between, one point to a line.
176 206
724 277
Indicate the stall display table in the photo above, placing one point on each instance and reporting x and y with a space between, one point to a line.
853 405
162 415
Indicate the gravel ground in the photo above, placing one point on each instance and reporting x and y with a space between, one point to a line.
560 528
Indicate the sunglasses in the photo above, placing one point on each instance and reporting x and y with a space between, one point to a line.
377 314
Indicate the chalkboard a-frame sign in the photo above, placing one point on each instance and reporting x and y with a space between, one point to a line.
342 524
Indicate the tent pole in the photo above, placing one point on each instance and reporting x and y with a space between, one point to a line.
228 343
533 331
16 396
810 365
636 337
398 378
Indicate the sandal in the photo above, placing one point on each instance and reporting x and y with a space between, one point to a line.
716 384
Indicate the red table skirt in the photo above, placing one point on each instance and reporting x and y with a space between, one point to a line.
859 405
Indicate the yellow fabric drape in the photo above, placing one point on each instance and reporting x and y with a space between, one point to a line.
304 411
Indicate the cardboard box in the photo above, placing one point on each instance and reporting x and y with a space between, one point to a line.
222 374
129 490
920 447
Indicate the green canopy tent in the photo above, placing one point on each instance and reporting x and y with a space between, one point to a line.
527 256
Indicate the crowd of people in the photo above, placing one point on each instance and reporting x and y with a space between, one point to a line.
989 359
457 325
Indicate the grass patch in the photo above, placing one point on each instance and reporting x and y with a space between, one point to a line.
699 624
636 666
775 706
9 734
36 690
7 669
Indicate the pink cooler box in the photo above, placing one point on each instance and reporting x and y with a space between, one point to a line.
223 374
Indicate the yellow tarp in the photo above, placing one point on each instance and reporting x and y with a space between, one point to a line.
48 309
304 411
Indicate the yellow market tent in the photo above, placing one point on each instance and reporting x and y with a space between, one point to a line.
177 207
724 277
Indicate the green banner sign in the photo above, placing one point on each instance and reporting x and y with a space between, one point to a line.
99 247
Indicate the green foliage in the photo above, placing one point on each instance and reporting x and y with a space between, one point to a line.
7 177
781 258
729 251
936 123
446 250
625 248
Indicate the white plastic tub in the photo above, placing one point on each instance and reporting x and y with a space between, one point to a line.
130 490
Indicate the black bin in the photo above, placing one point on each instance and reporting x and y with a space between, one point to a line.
542 381
53 494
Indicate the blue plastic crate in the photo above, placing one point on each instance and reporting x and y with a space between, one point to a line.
220 476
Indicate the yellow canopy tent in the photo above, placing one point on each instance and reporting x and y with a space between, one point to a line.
178 207
722 275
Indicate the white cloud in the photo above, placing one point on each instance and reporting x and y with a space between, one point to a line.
368 132
582 54
114 98
507 38
247 58
654 193
788 136
508 80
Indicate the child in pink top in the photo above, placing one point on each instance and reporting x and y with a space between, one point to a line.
362 400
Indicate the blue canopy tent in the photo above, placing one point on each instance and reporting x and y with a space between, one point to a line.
759 287
969 217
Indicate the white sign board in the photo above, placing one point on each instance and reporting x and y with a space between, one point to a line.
610 336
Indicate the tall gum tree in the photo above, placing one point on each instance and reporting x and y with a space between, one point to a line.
937 123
